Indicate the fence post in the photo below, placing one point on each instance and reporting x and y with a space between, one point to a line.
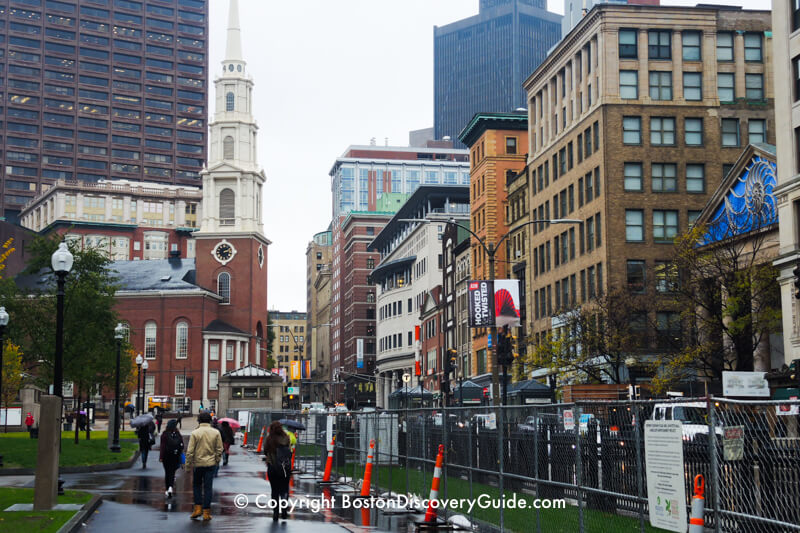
712 443
406 426
445 423
501 453
579 466
536 465
639 466
469 470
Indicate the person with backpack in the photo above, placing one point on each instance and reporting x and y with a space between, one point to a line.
146 440
279 467
170 454
226 431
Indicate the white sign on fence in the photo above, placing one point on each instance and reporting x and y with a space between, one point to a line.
11 416
569 420
788 409
749 384
244 418
666 496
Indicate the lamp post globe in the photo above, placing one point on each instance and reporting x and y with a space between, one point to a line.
61 261
3 324
119 335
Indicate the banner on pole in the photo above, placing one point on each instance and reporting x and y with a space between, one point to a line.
493 303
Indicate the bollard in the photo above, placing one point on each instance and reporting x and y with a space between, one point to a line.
696 522
430 515
326 478
368 471
261 439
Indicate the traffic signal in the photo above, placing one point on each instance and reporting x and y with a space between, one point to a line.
444 385
513 349
796 273
450 361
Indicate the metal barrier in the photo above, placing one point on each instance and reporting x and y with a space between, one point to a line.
748 452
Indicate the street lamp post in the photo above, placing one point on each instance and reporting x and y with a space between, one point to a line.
139 361
145 366
119 334
3 324
61 261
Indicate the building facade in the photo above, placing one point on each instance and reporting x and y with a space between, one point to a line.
97 91
634 119
128 220
497 144
575 10
786 62
288 350
480 62
408 271
321 338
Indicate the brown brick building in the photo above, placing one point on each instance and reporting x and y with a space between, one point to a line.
635 118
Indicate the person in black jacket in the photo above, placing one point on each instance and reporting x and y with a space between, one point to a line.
146 440
171 449
278 456
227 439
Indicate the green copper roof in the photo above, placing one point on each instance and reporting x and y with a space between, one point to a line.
487 121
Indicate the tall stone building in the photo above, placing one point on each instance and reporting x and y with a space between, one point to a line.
318 263
288 349
634 119
786 67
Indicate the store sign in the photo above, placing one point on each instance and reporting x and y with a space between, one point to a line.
746 384
292 390
493 303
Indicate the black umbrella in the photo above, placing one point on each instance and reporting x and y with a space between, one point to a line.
141 420
292 424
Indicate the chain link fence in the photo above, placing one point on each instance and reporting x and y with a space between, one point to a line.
748 452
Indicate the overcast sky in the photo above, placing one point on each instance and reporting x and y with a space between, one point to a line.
329 74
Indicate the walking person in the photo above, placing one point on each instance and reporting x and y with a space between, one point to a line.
279 468
29 422
203 455
159 420
226 431
180 417
170 454
146 441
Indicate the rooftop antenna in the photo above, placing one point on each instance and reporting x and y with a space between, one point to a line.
372 141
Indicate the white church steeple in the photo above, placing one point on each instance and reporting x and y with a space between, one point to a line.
232 183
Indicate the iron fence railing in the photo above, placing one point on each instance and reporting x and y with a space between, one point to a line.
748 452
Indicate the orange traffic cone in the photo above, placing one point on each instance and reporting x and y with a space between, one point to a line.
368 471
244 442
261 439
326 478
430 515
696 522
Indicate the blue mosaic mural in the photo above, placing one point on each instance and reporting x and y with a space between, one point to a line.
748 205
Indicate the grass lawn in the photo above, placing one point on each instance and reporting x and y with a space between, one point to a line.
19 450
35 521
520 520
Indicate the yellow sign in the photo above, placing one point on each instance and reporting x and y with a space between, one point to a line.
294 369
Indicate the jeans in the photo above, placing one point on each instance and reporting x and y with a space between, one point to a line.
202 485
171 465
145 452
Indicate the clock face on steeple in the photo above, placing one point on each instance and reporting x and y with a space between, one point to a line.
223 252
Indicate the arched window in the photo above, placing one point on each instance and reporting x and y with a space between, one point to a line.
227 207
150 331
181 340
229 100
224 287
227 147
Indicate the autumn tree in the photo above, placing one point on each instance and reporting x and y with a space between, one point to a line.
13 377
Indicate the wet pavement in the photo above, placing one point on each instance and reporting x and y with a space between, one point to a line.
134 500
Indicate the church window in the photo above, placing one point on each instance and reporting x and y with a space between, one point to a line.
181 340
227 148
229 102
227 207
224 287
150 330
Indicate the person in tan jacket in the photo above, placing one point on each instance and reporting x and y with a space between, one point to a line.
203 455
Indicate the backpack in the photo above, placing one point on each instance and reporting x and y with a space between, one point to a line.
174 443
283 458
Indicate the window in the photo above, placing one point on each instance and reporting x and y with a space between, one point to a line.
725 46
691 45
796 78
628 84
795 15
213 380
692 215
752 47
692 86
668 329
633 176
224 287
666 276
661 85
659 44
757 131
180 384
150 330
511 145
693 131
664 177
227 207
632 130
754 86
181 340
730 132
665 225
662 131
229 101
628 48
725 87
227 148
636 276
695 178
634 225
230 347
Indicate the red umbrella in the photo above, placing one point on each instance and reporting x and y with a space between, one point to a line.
231 422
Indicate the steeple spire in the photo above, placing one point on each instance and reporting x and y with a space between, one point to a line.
233 47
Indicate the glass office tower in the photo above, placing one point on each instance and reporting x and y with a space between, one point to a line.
480 62
97 89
